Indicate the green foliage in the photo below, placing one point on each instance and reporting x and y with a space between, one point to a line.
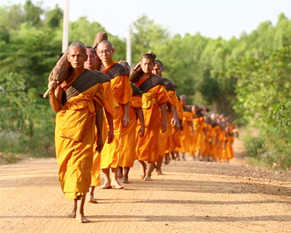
26 120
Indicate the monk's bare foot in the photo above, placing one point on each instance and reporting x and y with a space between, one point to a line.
167 161
72 215
184 159
83 219
116 184
159 172
148 179
125 180
92 200
143 169
105 186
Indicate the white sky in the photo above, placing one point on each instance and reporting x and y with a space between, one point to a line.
212 18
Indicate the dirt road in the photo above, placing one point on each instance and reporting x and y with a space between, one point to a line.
191 197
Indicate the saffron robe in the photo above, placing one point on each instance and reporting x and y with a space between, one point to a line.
147 146
122 93
74 140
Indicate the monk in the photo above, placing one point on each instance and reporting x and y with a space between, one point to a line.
122 93
176 142
172 118
215 132
92 63
78 103
154 100
188 128
128 134
199 132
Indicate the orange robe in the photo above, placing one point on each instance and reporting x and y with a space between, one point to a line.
174 138
215 132
122 93
109 107
147 146
230 139
164 142
128 135
185 136
74 140
207 150
220 148
199 140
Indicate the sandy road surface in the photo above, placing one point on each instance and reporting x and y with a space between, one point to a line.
190 197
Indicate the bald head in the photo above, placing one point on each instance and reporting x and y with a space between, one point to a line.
77 55
183 99
105 51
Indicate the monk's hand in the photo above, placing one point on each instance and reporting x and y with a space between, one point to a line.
173 122
110 136
181 125
99 145
125 121
164 126
192 132
53 84
141 131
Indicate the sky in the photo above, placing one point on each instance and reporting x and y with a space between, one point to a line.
211 18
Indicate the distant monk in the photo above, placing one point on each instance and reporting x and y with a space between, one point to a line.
188 128
128 134
154 100
122 93
78 103
92 63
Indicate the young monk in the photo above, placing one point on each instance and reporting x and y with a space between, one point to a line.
154 100
128 134
92 63
172 118
122 93
78 103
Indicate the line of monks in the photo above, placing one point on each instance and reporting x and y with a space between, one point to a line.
142 118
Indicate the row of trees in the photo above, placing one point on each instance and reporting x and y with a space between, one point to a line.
246 78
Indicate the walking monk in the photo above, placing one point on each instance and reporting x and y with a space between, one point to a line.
92 63
122 93
172 118
128 134
188 128
154 99
78 103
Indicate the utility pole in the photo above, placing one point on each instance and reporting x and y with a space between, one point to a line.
128 45
66 27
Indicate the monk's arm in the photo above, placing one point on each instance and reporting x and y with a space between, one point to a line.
163 107
141 119
125 119
55 97
175 121
99 123
110 123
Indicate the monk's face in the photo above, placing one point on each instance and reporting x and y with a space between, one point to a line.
147 65
105 52
157 69
91 60
77 57
183 100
